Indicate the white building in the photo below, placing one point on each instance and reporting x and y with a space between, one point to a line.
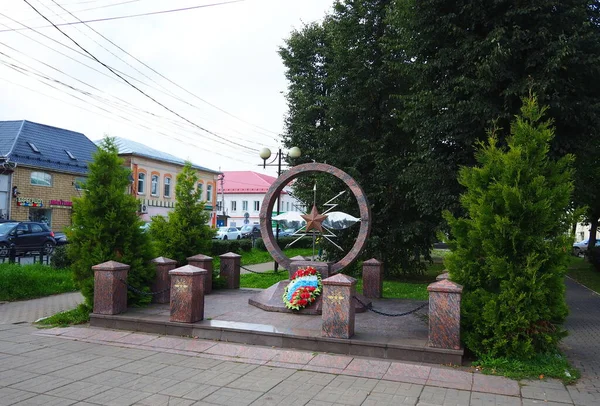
241 194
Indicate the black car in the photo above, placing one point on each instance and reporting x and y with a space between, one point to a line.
24 237
250 231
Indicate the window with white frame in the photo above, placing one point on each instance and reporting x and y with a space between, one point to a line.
154 185
141 189
200 190
167 186
244 205
287 206
233 205
219 205
256 205
209 193
41 179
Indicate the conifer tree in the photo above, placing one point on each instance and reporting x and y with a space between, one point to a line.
106 226
186 231
511 250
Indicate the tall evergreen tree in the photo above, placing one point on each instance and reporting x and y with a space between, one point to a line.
511 251
106 226
472 61
186 231
343 110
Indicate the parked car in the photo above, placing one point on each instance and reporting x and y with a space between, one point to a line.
284 233
60 238
250 230
228 233
24 237
579 248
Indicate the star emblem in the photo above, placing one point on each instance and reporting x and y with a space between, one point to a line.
314 220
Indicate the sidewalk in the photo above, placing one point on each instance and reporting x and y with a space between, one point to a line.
87 366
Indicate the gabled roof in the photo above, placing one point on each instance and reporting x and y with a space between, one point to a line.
128 147
46 147
246 182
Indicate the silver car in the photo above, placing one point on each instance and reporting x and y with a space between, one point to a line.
580 247
228 233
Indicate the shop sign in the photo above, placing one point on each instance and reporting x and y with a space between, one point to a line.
62 203
29 202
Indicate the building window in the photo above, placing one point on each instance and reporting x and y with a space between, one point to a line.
219 205
233 205
154 185
41 215
256 205
79 183
167 186
200 190
209 193
141 189
41 179
287 206
244 205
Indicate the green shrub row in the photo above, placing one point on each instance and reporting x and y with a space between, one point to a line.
283 241
220 247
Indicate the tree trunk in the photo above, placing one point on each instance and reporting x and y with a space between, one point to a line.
593 228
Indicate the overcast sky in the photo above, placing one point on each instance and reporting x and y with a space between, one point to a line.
224 55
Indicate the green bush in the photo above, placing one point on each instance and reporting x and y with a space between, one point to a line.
106 227
184 233
220 247
511 251
60 259
593 256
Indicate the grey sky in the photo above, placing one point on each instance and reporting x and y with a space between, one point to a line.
226 55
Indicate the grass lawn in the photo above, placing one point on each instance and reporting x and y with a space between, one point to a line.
21 282
583 272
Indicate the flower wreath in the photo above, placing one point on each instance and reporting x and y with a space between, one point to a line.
303 289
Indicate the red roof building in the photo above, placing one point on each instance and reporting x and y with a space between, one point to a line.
241 194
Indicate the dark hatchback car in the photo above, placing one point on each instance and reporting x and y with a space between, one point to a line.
250 231
25 236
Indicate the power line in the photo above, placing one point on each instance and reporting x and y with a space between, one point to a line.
122 17
137 88
155 71
164 77
170 94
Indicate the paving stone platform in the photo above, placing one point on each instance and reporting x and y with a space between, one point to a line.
229 317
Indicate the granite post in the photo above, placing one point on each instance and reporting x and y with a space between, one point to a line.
203 262
322 267
444 314
230 270
110 289
338 306
162 281
372 278
187 294
442 276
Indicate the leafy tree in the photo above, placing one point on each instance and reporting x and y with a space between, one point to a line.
343 110
106 226
472 62
185 232
512 249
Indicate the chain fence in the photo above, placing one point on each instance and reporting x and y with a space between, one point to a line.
141 292
258 272
370 308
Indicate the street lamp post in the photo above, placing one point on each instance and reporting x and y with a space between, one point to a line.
265 153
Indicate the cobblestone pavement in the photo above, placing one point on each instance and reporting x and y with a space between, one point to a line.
582 345
32 310
92 366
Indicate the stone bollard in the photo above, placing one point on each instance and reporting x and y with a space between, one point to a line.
110 287
372 278
230 270
444 314
187 294
321 267
338 306
162 282
442 276
203 262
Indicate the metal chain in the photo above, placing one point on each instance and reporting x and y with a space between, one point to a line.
370 308
260 273
140 292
